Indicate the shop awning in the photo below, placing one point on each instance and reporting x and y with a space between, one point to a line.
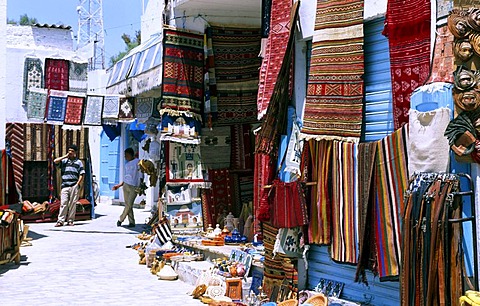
139 71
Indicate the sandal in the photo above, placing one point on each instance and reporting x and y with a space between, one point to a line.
70 223
59 224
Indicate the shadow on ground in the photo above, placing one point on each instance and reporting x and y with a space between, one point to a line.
13 266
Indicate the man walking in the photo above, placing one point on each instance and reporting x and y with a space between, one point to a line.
72 177
131 180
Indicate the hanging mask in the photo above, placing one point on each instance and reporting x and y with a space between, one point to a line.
464 78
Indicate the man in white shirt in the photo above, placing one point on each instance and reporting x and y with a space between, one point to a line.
131 180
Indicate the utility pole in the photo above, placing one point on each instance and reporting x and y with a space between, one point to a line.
90 31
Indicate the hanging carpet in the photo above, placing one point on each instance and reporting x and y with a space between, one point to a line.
143 109
56 107
77 77
14 134
279 28
36 142
215 147
111 107
74 110
241 143
183 74
236 62
333 108
407 27
93 110
221 195
56 74
64 138
37 104
125 112
32 76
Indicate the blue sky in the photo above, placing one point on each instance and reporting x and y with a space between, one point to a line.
119 16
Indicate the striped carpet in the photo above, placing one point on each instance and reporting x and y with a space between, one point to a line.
333 108
14 134
391 181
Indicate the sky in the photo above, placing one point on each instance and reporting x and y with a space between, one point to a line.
119 16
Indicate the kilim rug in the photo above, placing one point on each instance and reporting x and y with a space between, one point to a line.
221 194
275 51
126 111
111 107
319 228
211 99
56 106
183 74
184 163
74 111
64 138
236 61
56 74
207 206
32 76
263 174
407 27
367 259
143 109
333 108
215 148
344 202
35 182
93 110
77 77
14 135
391 181
36 103
36 142
242 148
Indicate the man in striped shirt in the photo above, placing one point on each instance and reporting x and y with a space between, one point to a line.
72 178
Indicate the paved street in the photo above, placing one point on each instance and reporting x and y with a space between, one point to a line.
87 264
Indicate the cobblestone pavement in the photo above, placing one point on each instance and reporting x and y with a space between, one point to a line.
87 264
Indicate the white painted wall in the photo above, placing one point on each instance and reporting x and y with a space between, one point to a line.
152 19
3 71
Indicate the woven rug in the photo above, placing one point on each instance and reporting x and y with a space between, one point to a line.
111 107
211 99
183 74
236 62
56 74
36 104
319 228
63 138
242 152
391 181
274 273
56 107
344 202
407 26
215 148
221 194
143 109
126 111
263 174
275 50
74 110
184 163
14 133
367 258
93 110
35 183
36 140
333 108
32 76
207 205
77 78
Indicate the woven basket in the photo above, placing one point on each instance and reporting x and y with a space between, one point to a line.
317 300
291 302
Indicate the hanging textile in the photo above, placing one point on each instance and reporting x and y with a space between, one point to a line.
236 62
125 113
74 110
215 147
290 149
207 208
221 195
241 157
407 27
56 107
36 141
111 107
320 210
64 138
275 121
344 202
263 174
289 242
77 77
266 13
37 103
56 74
334 104
390 177
432 254
51 164
112 131
143 109
367 257
14 134
211 99
289 207
32 77
183 73
35 184
93 110
443 62
276 46
428 150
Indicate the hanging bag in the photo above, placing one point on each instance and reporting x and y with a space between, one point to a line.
163 230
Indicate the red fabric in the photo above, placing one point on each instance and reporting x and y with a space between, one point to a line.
263 175
289 208
56 74
274 53
241 153
74 111
407 27
14 133
221 193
